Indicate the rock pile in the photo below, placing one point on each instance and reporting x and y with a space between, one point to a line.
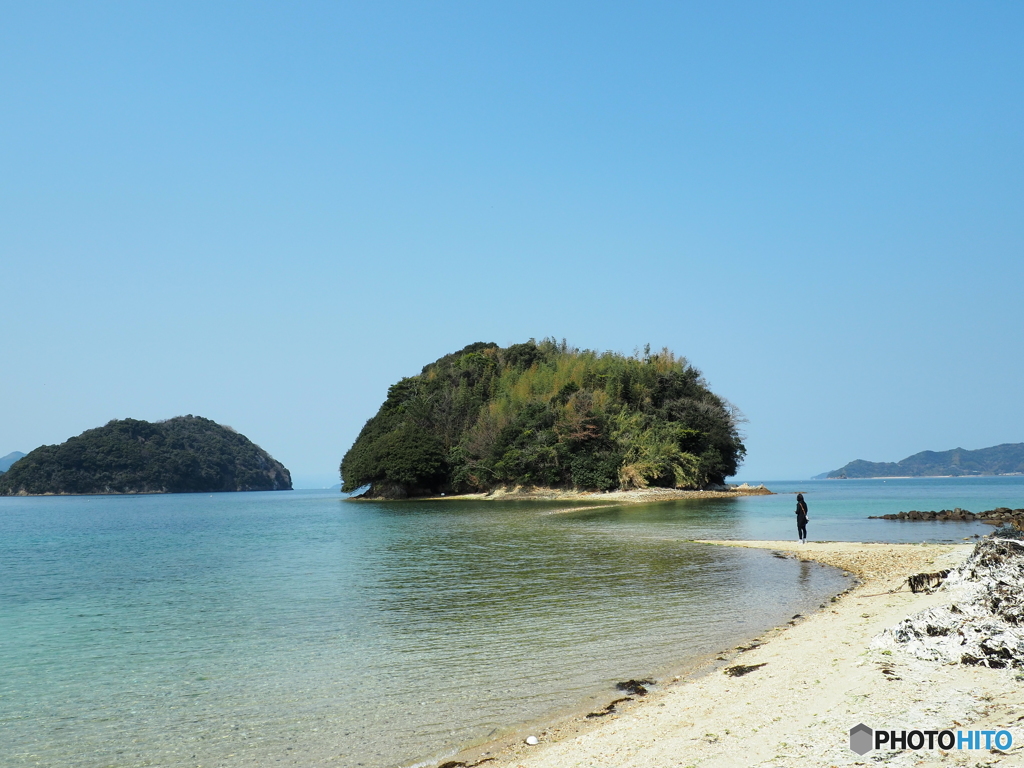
984 623
996 516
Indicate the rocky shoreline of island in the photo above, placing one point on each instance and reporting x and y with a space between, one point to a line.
633 496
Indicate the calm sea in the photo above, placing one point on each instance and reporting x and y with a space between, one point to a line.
299 629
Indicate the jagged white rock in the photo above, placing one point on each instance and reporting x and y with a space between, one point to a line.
983 624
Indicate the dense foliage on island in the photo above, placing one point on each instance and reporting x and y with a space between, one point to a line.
545 414
186 454
1006 459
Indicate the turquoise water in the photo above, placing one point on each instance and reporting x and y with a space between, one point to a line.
299 629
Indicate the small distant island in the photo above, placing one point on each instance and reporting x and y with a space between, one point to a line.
9 459
186 454
545 415
1005 459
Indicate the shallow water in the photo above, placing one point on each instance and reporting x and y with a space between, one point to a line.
295 628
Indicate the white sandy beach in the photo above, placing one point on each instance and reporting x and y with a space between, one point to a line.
820 678
635 496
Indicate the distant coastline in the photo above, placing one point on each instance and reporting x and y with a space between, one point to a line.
998 460
920 477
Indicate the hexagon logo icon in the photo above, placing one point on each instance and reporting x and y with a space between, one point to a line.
861 738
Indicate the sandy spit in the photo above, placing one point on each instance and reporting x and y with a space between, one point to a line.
819 678
639 496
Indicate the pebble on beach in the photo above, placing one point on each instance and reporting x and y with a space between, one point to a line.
532 740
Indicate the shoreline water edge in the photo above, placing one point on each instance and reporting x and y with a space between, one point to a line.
635 496
790 696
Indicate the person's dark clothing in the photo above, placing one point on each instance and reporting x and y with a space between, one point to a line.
801 516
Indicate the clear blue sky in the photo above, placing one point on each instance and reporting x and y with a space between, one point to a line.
266 213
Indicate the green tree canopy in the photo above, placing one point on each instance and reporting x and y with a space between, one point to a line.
180 455
546 414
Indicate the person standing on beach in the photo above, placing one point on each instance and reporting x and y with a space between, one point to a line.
801 518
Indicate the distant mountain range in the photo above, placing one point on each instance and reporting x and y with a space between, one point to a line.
1006 459
10 458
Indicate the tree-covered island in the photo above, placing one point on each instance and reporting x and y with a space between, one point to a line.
1005 459
186 454
545 414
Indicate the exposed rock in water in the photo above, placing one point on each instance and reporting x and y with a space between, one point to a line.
996 516
984 623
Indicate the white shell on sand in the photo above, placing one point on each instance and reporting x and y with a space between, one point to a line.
531 740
